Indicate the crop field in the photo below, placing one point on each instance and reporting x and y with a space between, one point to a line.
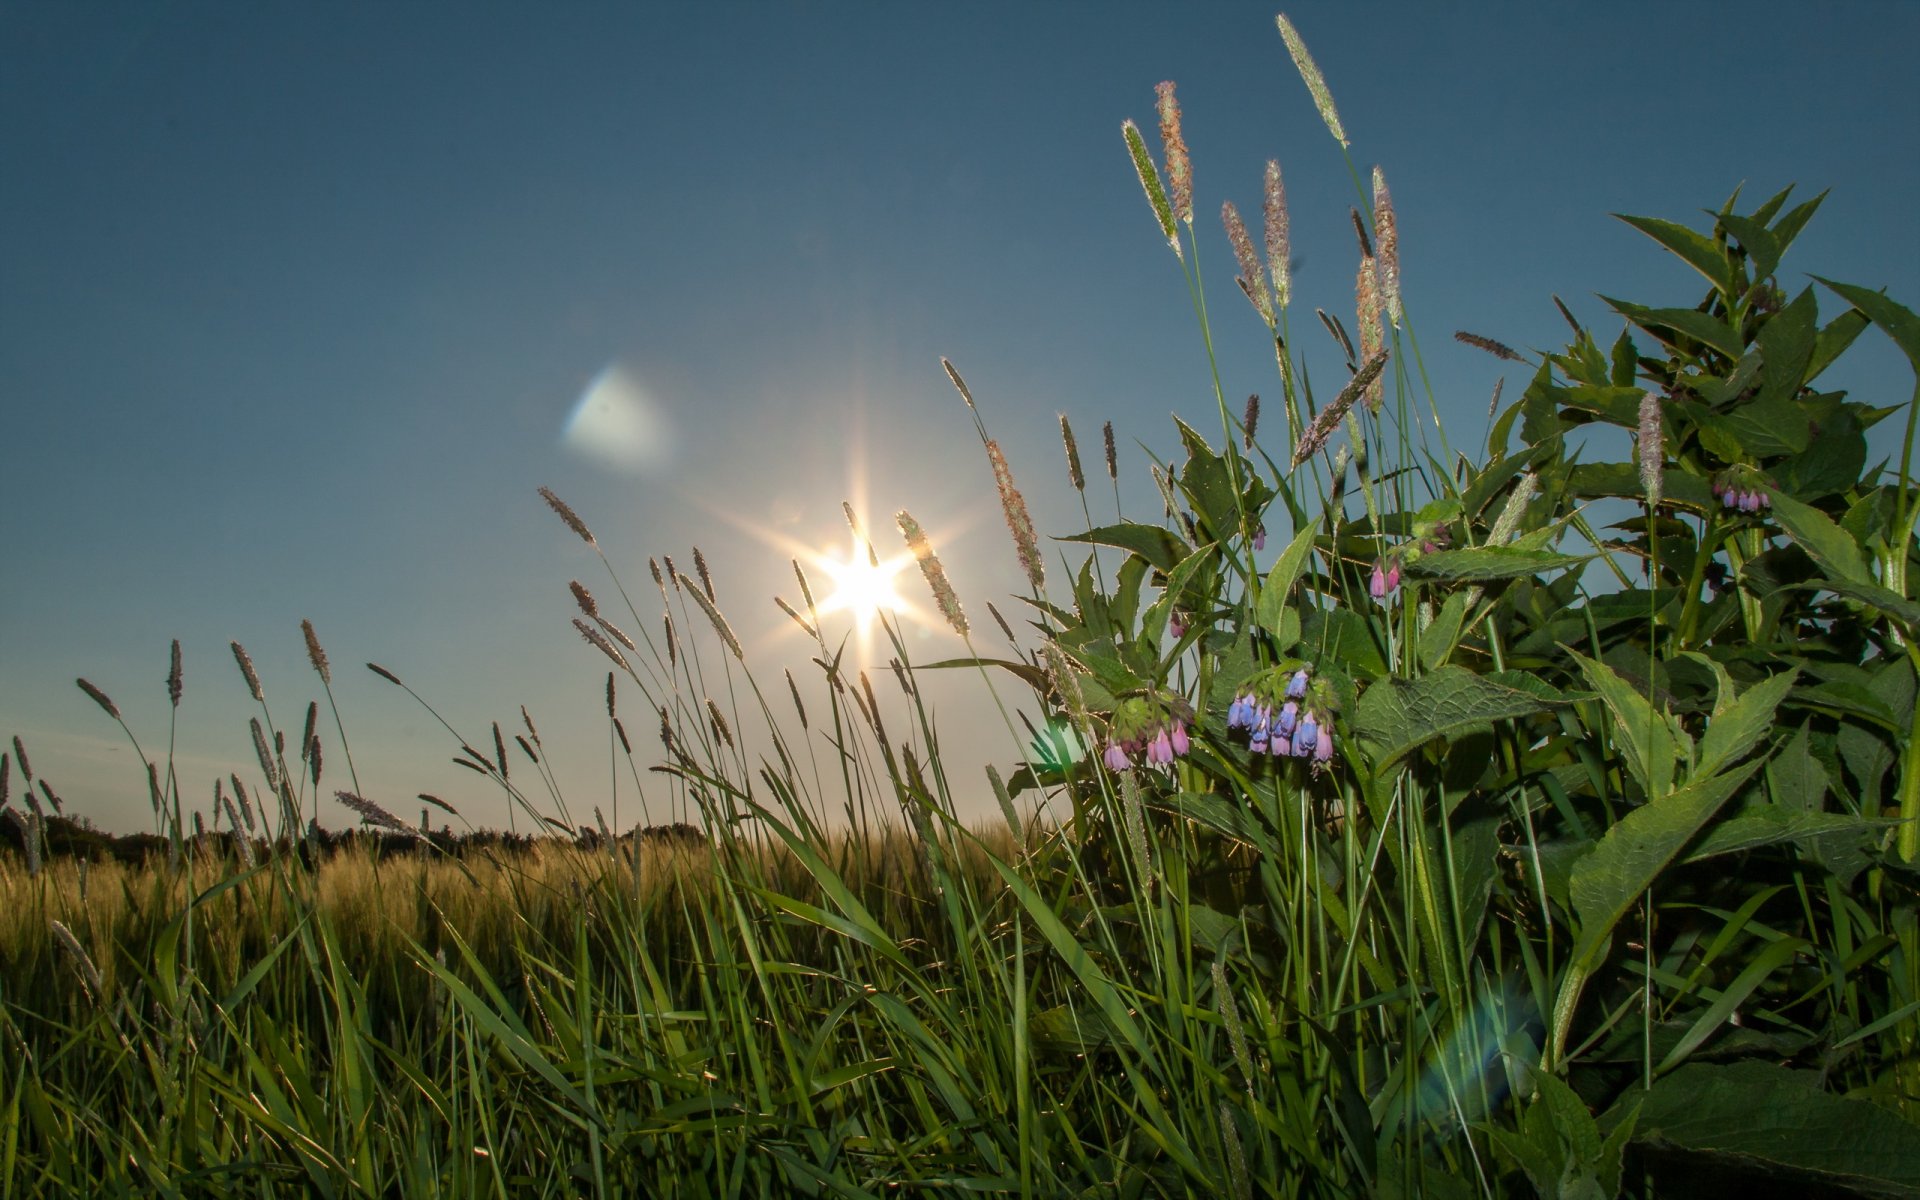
1537 814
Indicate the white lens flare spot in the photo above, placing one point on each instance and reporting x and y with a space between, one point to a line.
616 424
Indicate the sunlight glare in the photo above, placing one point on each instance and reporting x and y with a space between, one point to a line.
862 588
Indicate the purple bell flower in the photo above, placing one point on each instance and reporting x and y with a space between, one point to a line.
1305 736
1289 717
1178 737
1323 745
1116 757
1297 686
1377 583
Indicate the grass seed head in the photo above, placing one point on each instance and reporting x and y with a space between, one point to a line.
1279 248
700 568
944 597
173 675
1310 75
959 384
1497 349
20 753
245 660
600 642
719 722
1150 183
1179 164
1366 303
1251 420
89 974
315 654
1386 230
1329 419
720 625
1651 448
567 514
372 814
1252 280
1113 460
1075 475
1019 522
99 697
584 599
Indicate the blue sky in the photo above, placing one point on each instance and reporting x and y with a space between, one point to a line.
295 303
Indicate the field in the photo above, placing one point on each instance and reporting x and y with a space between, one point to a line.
1419 821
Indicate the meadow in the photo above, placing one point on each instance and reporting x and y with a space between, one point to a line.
1511 818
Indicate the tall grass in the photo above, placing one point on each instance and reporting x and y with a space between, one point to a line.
1449 844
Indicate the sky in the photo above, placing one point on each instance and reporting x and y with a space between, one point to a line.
299 306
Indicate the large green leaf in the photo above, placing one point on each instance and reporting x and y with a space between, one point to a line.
1735 731
1897 319
1652 740
1605 883
1398 715
1151 542
1660 322
1829 544
1483 563
1772 1120
1696 249
1775 824
1280 580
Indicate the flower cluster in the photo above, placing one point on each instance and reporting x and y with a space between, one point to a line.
1385 579
1286 713
1736 489
1154 730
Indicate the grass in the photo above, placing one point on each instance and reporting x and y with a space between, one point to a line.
1568 877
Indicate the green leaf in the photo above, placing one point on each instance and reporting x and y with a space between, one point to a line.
1399 715
1829 545
1761 246
1733 733
1786 343
1151 542
1698 326
1834 338
1695 249
1483 563
1624 863
1208 485
1774 824
1768 1118
1652 741
1280 580
1896 319
1437 640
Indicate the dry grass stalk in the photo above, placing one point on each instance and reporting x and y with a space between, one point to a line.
1250 420
720 625
99 697
1310 75
265 755
616 633
1279 249
944 597
53 799
1113 461
500 746
174 676
584 599
1493 405
20 753
567 514
1252 280
1179 164
82 962
719 722
1497 349
958 382
1019 522
1651 448
700 569
612 704
1329 418
1001 621
245 660
672 639
313 759
798 707
246 803
385 674
438 803
1366 303
1150 183
599 640
1075 475
620 731
315 654
806 591
797 618
1338 333
1386 230
372 814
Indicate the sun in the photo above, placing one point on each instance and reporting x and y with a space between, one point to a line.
862 585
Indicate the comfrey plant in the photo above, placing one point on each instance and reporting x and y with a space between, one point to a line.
1588 828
